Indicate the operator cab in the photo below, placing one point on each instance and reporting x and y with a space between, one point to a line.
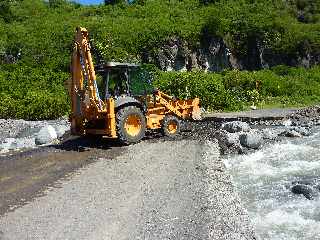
122 80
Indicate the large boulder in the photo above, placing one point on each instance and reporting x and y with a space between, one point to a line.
306 190
236 126
61 130
46 135
228 142
251 140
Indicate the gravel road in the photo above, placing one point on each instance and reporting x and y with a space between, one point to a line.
252 115
154 190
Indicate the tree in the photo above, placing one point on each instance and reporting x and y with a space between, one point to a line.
57 3
5 11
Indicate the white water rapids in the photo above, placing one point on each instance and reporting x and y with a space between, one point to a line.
263 181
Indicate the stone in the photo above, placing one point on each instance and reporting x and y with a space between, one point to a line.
251 140
269 134
8 144
301 130
236 126
46 135
61 130
290 133
306 190
286 123
228 142
17 143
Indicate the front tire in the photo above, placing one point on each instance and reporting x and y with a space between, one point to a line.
131 125
170 126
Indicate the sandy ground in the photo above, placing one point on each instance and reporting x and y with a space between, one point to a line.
152 190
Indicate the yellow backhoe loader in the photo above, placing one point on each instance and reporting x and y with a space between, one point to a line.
117 102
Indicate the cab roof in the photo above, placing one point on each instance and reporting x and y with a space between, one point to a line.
110 65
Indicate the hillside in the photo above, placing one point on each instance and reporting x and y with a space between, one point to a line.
36 43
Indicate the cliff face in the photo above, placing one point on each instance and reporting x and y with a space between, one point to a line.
213 54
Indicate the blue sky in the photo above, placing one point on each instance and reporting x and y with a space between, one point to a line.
90 1
87 2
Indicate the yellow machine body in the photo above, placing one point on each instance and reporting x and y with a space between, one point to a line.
92 115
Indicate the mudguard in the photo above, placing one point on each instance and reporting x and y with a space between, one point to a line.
126 100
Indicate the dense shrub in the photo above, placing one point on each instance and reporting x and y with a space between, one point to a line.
233 90
31 93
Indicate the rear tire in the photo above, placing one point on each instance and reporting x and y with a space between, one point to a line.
170 126
131 125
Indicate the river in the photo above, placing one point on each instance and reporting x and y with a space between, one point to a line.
263 181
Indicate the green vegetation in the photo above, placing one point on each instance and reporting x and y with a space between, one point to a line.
36 43
236 90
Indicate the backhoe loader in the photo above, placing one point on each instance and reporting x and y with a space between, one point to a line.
117 102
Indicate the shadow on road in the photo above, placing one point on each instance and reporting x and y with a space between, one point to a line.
81 144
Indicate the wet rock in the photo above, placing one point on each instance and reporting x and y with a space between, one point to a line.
228 142
301 130
46 135
236 126
61 130
251 140
306 190
8 144
290 133
286 123
269 134
16 143
27 132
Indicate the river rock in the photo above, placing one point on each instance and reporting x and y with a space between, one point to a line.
251 140
16 143
302 130
228 142
286 123
269 134
236 126
305 190
8 144
61 130
290 133
46 135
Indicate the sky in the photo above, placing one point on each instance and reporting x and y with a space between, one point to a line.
87 2
90 1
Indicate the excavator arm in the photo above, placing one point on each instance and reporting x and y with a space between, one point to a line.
83 74
86 104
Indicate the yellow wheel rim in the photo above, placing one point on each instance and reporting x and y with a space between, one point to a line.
133 125
172 127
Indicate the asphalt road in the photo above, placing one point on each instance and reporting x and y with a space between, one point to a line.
152 190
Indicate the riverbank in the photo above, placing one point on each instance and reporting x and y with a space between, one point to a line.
279 185
278 181
26 175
